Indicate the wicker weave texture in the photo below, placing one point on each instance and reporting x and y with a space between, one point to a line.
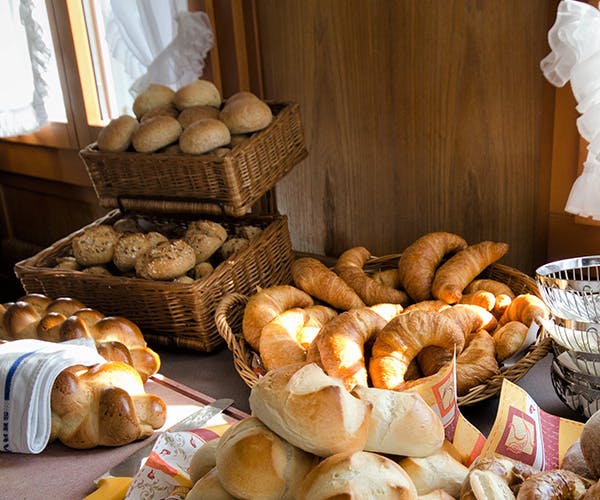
168 313
229 314
229 185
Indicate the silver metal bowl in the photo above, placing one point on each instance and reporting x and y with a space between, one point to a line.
580 398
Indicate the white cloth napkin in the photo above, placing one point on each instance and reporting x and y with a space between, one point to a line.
28 369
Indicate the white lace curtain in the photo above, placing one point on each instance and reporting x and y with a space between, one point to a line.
24 59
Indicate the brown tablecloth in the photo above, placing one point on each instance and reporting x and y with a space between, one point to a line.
61 473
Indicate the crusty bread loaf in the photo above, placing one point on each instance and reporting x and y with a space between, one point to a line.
401 423
311 410
154 96
254 462
361 475
116 136
203 136
156 133
104 405
197 93
246 113
439 470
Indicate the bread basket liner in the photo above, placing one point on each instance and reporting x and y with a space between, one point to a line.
230 310
209 184
172 314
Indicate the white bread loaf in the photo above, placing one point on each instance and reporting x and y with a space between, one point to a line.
254 462
311 410
401 423
208 487
436 471
362 475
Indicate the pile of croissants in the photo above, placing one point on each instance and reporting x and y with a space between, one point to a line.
395 328
103 405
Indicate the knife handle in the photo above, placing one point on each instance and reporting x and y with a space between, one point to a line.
111 488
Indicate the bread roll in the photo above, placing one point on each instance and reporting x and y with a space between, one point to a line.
574 461
311 410
95 246
197 93
401 423
361 475
208 487
439 470
166 261
156 133
116 136
154 96
195 113
205 237
254 462
204 460
166 110
127 250
203 136
590 443
246 114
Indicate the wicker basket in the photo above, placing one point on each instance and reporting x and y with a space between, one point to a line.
169 313
230 310
208 184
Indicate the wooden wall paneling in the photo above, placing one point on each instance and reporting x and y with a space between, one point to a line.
419 116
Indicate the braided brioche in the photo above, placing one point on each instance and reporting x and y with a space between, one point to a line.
36 316
104 405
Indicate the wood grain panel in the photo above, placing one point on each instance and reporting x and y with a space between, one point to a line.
418 116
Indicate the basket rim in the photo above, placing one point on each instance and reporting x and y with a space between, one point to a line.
243 353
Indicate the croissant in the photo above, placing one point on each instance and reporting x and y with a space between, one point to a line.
477 363
284 340
525 308
104 405
419 261
36 316
557 483
387 277
509 339
265 305
501 291
341 344
403 338
349 267
454 275
312 276
428 305
481 298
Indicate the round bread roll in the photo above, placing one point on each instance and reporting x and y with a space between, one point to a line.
95 246
233 245
574 461
197 93
401 423
166 261
195 113
254 462
208 487
130 246
98 270
589 441
203 270
116 136
126 225
246 114
360 474
156 133
204 460
166 110
205 237
203 136
67 263
154 96
311 410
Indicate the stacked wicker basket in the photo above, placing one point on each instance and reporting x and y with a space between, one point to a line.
182 188
571 289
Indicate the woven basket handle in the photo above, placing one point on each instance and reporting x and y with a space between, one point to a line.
224 309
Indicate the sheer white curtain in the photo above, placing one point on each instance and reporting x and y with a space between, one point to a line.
158 41
24 59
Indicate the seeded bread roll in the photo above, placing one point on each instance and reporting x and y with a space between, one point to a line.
154 96
205 237
246 114
203 136
195 113
166 261
116 136
197 93
130 246
156 133
95 246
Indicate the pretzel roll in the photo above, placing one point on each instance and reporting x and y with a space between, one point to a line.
156 133
419 261
349 267
403 338
95 245
341 344
154 96
203 136
265 305
116 136
360 474
311 410
198 93
166 261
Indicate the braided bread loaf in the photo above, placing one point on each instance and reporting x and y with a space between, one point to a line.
104 405
36 316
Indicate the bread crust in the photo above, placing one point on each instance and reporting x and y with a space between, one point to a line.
156 133
154 96
166 261
203 136
116 136
244 114
95 246
197 93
